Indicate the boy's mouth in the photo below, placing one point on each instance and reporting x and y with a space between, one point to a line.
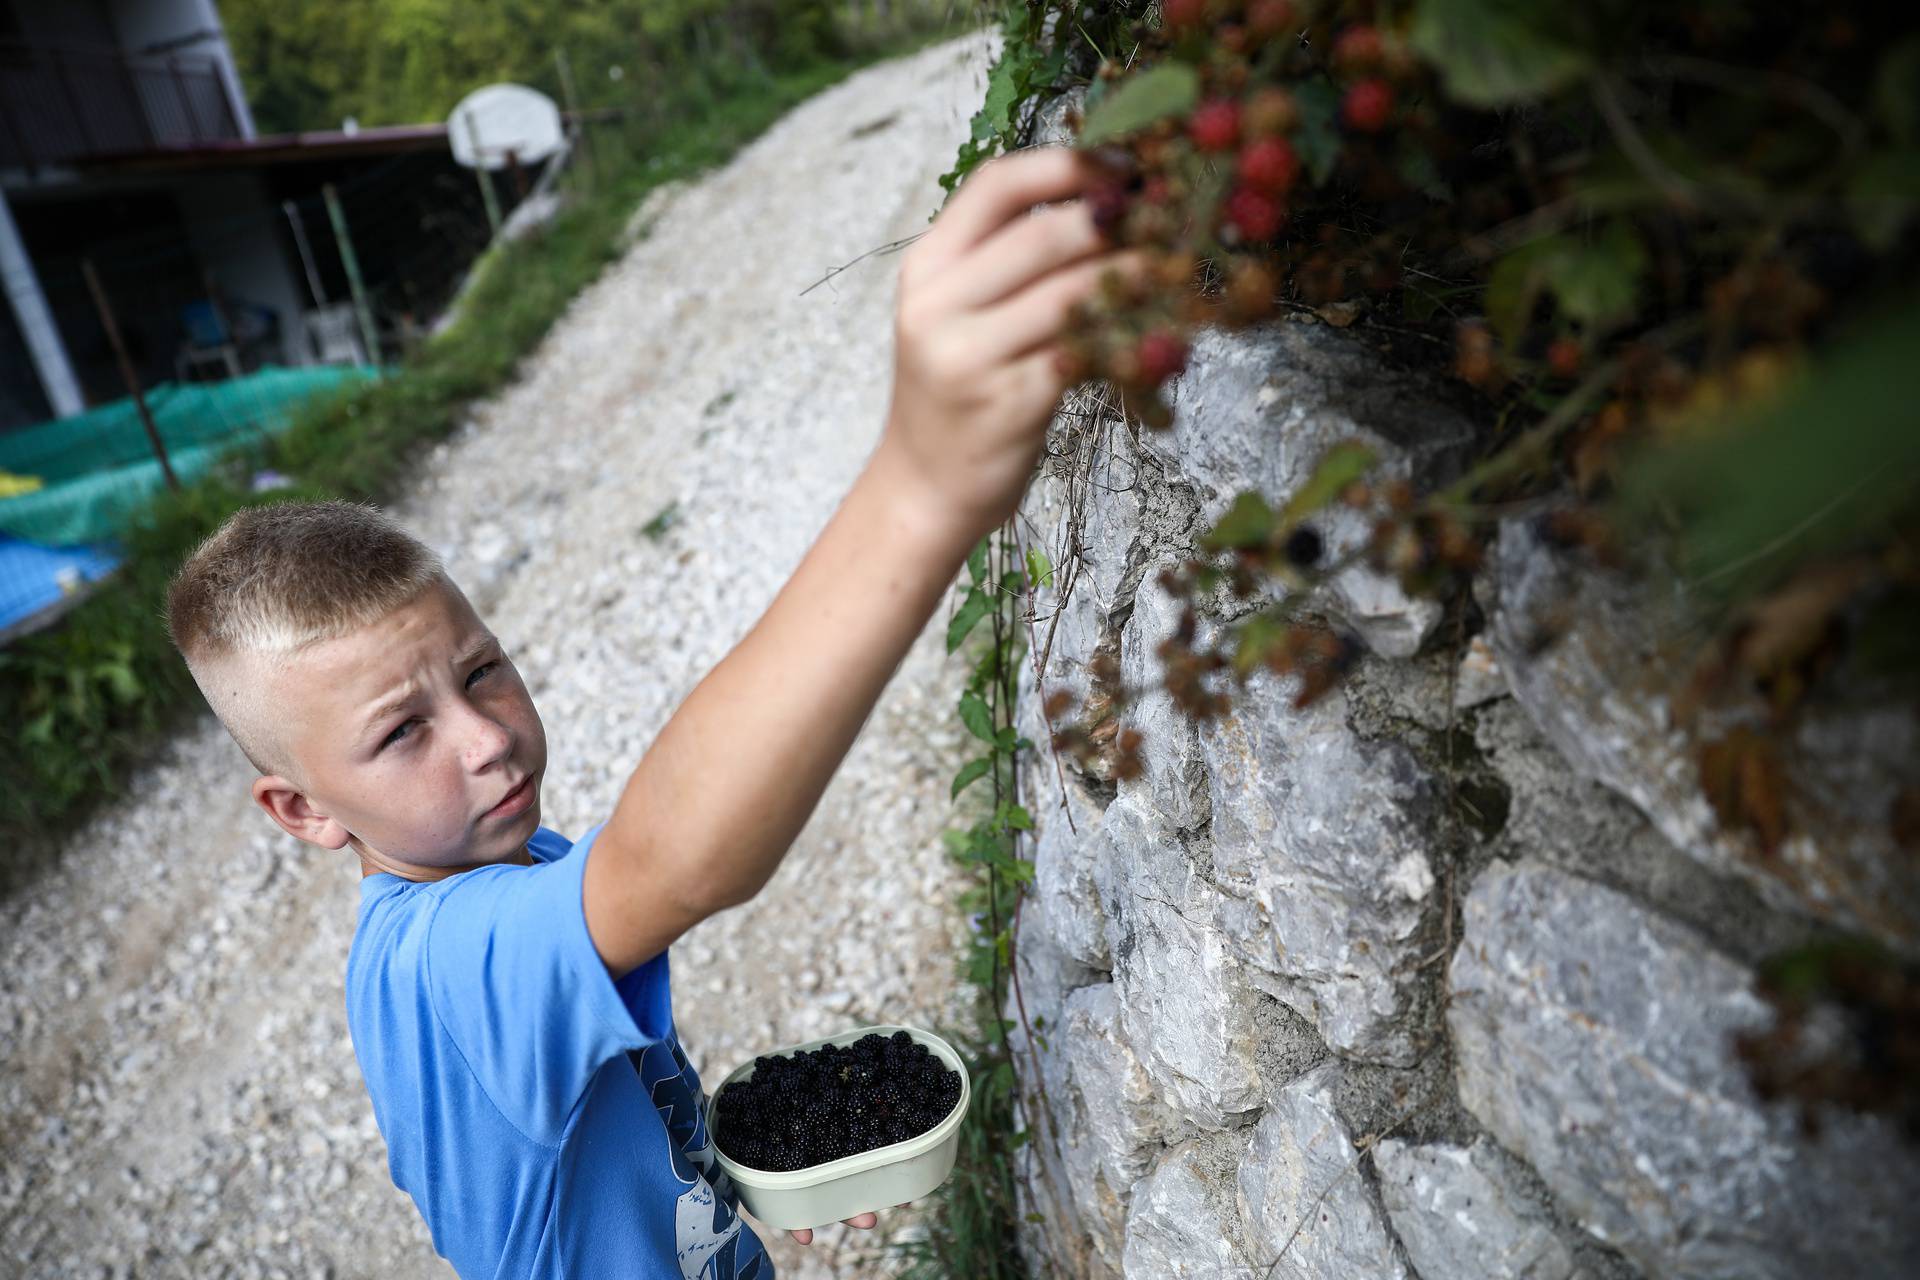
514 802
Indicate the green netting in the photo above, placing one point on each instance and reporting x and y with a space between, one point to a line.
98 467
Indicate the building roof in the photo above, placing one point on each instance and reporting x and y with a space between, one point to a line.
277 148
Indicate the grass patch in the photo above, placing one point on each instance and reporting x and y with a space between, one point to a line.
88 698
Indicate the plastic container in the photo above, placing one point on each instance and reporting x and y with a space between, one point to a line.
852 1185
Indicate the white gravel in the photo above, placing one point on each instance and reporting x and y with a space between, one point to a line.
180 1096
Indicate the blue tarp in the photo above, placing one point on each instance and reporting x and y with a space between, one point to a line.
33 578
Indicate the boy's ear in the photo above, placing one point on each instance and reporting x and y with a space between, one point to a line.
287 805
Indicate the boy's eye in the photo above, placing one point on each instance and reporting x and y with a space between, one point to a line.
397 733
480 670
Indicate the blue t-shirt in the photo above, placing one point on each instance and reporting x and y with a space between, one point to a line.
541 1115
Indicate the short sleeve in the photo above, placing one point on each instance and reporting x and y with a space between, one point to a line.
525 998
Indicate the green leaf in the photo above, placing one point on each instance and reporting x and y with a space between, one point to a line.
1595 281
1254 639
1896 92
977 561
970 772
1513 287
1018 818
1018 1139
975 715
1169 89
1247 523
120 679
1827 466
1338 467
1882 196
1317 137
1414 163
1039 572
39 730
1005 738
972 609
1492 52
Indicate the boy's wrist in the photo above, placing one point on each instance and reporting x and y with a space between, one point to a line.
925 510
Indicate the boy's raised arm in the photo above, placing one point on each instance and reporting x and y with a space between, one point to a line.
734 775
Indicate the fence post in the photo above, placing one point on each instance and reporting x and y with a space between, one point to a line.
306 252
487 195
352 264
126 371
579 129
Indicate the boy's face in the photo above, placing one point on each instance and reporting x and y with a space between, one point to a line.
410 733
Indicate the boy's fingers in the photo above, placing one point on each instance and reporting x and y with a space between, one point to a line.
1018 254
994 193
1036 377
804 1235
1037 314
863 1220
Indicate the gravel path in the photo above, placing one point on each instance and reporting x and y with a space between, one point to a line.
180 1096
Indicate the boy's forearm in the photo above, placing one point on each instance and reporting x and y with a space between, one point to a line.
732 778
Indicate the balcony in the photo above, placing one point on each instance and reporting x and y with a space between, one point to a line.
64 106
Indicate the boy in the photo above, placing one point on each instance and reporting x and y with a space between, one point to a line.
507 991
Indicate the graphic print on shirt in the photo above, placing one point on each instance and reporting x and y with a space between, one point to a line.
709 1242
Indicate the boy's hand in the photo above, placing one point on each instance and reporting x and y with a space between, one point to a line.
984 296
805 1234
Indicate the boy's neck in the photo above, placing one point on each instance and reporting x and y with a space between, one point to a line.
373 862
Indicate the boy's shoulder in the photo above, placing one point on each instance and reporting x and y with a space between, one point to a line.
395 914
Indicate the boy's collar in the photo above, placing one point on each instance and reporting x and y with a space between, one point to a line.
373 862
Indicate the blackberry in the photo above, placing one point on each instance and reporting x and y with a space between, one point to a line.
1304 547
807 1108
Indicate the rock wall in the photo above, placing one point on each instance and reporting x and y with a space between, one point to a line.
1435 977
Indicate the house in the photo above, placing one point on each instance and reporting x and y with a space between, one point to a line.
125 141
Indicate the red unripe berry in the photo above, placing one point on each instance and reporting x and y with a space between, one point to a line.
1215 125
1269 165
1156 191
1183 15
1160 356
1368 105
1255 214
1358 48
1269 18
1564 357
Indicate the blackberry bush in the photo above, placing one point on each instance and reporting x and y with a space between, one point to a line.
821 1104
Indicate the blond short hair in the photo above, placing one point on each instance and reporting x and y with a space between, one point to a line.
273 580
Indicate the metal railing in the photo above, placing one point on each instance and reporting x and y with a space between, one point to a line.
64 104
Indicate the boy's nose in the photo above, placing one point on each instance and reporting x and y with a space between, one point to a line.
487 740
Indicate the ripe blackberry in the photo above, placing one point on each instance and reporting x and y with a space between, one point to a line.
1108 204
824 1104
1304 547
